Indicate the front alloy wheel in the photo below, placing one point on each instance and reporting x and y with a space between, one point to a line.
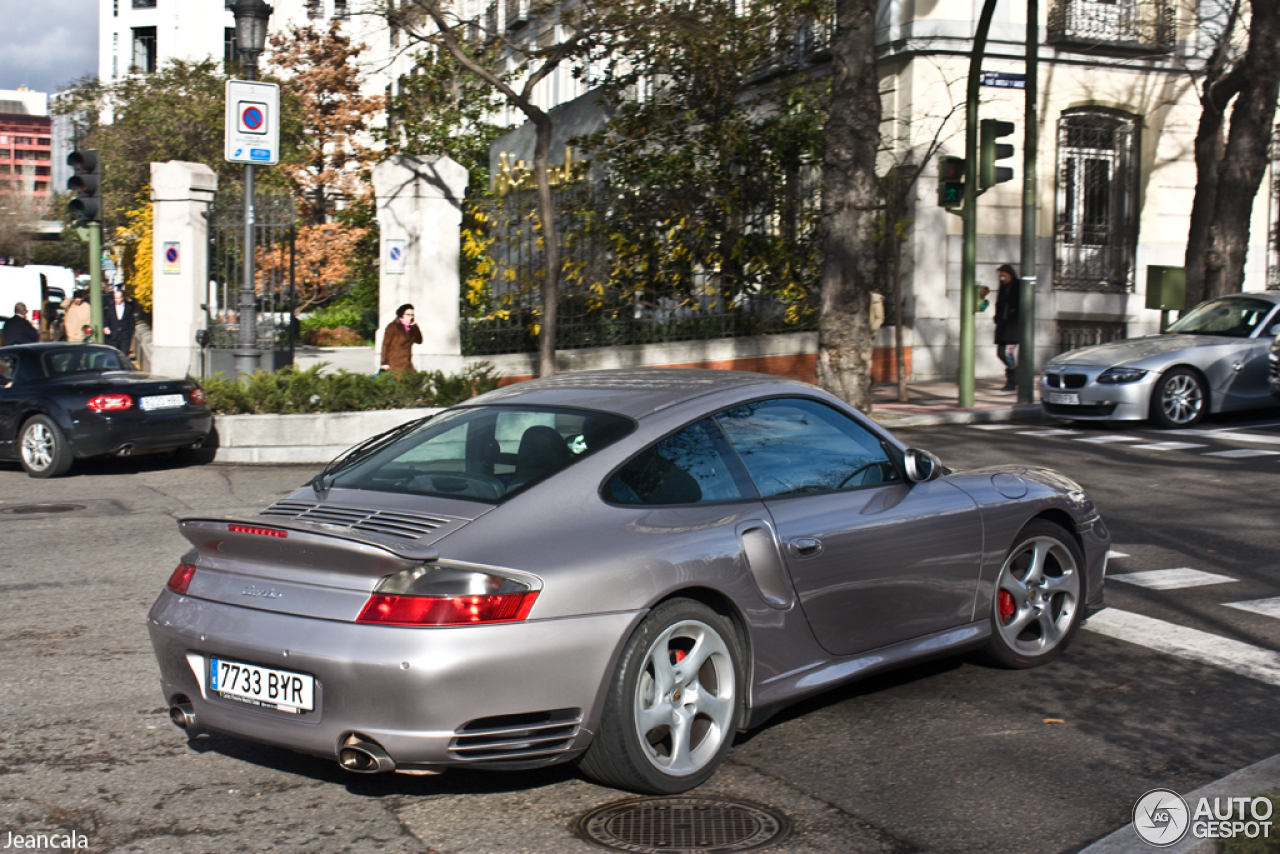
1039 597
674 705
1178 399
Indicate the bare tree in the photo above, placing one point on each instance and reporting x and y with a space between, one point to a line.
437 23
1228 174
850 197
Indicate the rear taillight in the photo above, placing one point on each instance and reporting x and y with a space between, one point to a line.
181 578
111 403
197 396
443 595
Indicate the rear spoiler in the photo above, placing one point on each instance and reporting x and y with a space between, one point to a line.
290 539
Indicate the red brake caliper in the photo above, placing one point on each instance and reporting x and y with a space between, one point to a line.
677 656
1006 604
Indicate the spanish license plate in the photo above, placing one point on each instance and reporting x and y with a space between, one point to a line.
162 401
1068 399
262 686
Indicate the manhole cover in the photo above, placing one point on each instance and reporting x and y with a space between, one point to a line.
676 825
42 508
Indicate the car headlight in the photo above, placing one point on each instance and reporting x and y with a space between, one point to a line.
1112 376
442 595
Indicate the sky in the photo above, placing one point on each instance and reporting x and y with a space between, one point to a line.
45 44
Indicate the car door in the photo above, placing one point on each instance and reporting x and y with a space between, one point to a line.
10 395
1247 384
874 559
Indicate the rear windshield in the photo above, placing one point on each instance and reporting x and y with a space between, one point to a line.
84 360
485 453
1235 317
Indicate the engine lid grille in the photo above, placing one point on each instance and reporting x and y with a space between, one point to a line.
392 523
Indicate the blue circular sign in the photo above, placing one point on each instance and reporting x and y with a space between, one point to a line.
252 118
395 253
171 254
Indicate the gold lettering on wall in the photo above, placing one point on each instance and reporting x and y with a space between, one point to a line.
519 175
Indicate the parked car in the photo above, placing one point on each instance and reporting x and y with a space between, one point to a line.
1273 361
61 402
618 568
1213 359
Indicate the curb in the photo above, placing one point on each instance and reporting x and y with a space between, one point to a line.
892 418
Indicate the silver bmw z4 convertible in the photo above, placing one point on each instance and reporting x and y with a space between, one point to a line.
618 568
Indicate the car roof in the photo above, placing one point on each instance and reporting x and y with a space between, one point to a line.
633 392
1269 296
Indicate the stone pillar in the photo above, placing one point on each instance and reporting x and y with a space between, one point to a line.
420 217
180 196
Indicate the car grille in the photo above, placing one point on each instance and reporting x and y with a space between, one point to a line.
516 738
1066 380
1096 410
393 523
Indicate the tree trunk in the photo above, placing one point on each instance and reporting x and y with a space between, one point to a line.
550 245
1244 161
849 201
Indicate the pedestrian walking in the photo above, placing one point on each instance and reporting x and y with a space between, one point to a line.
1008 325
17 329
77 316
398 340
118 322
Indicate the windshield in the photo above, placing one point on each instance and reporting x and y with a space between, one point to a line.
485 453
1235 317
84 360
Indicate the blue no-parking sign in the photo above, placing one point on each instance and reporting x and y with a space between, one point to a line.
253 126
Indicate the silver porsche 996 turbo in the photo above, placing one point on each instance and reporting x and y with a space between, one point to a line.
619 568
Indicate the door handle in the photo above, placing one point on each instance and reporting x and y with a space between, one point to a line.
804 547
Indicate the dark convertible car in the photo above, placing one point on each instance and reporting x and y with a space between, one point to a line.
60 402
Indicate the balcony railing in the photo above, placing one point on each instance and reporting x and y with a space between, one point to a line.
1141 25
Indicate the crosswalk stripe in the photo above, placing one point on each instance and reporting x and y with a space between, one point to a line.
1047 432
1172 579
1192 644
1241 453
993 426
1265 607
1248 437
1169 446
1101 440
1113 554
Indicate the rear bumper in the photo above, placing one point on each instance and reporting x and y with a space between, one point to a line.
95 435
412 690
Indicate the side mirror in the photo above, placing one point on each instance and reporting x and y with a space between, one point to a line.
1274 330
922 466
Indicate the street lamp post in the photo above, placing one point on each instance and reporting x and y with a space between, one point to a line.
251 38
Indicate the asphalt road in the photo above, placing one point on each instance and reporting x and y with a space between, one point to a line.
948 756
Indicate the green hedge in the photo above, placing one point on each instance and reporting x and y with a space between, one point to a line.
291 391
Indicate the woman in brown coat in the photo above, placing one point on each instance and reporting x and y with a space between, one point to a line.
398 340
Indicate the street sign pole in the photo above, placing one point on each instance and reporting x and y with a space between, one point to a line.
95 280
969 248
1027 264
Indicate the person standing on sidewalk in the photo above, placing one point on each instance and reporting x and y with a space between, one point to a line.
77 316
398 340
1008 326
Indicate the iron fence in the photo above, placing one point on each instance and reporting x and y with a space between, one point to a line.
1074 334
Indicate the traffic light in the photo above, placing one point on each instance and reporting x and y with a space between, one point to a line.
989 151
983 303
951 182
87 205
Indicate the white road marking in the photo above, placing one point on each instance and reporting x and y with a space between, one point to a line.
1113 554
1112 437
1169 446
993 426
1172 579
1047 432
1248 437
1192 644
1241 453
1265 607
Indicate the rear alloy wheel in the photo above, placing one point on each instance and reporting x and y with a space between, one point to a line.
43 449
1039 597
1178 399
674 704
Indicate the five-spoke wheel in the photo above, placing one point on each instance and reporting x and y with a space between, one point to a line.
1178 399
43 448
1039 597
674 704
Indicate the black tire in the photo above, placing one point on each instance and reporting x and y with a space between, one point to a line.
1036 609
1178 399
708 701
43 449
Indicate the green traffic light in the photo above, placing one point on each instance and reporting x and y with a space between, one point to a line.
989 151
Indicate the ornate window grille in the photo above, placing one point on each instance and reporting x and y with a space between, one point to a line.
1097 201
1145 25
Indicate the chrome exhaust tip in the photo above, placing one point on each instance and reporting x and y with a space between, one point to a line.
364 757
125 451
183 716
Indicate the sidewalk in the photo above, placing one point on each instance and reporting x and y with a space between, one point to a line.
937 403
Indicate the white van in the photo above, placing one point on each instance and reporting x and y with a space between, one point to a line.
20 284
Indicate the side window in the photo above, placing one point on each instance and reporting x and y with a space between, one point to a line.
793 446
689 467
8 370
